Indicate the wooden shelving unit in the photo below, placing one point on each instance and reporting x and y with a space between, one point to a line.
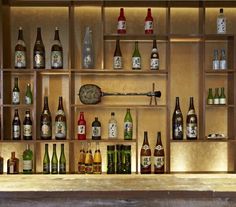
186 36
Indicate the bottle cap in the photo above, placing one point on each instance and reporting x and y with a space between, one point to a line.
111 147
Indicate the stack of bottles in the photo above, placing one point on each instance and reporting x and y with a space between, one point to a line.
216 99
219 63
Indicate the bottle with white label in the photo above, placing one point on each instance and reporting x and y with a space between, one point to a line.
223 61
222 96
210 98
191 122
216 96
20 51
39 52
27 127
56 52
154 61
121 23
112 127
128 126
13 164
16 92
145 156
28 95
221 22
159 156
216 61
27 160
148 27
117 58
16 126
96 129
136 58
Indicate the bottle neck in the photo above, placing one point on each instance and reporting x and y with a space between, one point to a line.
121 12
46 148
191 106
136 46
45 103
39 37
28 87
177 103
145 140
16 83
27 114
13 155
54 148
81 116
159 142
60 104
154 45
56 37
149 14
16 113
20 34
62 149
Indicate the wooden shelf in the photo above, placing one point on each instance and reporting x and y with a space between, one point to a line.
20 106
134 37
95 106
219 106
219 72
106 140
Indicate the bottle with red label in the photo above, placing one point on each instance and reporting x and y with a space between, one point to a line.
81 133
148 22
121 25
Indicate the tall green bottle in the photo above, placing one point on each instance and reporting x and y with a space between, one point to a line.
128 126
54 161
62 161
46 161
136 58
28 95
27 160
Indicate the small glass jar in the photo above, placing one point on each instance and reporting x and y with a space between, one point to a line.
111 159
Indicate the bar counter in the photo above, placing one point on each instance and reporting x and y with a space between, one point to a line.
119 190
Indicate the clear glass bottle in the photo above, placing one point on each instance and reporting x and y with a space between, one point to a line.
121 24
87 51
221 22
117 58
112 127
28 160
216 61
39 51
46 161
56 52
20 51
54 161
62 161
128 126
216 96
28 95
210 98
148 27
16 92
145 156
27 126
223 61
136 58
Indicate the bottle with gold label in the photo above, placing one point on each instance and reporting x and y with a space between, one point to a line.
81 162
145 156
56 52
89 160
159 156
39 52
97 161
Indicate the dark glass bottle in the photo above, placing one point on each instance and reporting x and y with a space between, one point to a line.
54 161
159 156
145 156
177 122
20 51
57 52
16 92
1 165
126 159
96 129
62 161
46 121
16 126
119 149
136 58
128 126
154 61
27 127
13 164
39 52
117 58
60 122
46 161
191 121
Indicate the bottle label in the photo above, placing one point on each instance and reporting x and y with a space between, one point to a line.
159 161
46 129
97 168
117 62
112 130
159 147
56 59
192 130
88 168
81 168
16 97
62 168
12 166
145 147
221 25
121 25
222 101
20 59
191 111
96 131
223 64
216 101
87 63
54 167
27 165
148 25
216 64
27 130
28 100
60 112
178 128
39 59
210 101
81 129
60 129
128 126
145 161
46 168
136 62
154 63
16 131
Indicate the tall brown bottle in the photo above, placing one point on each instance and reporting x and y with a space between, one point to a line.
39 52
145 156
20 51
46 121
13 164
159 156
16 126
177 122
117 58
57 52
60 122
191 121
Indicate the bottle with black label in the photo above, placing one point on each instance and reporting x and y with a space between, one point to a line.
154 61
117 58
57 52
159 156
27 127
177 122
16 126
145 156
39 52
191 121
20 51
96 129
46 121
